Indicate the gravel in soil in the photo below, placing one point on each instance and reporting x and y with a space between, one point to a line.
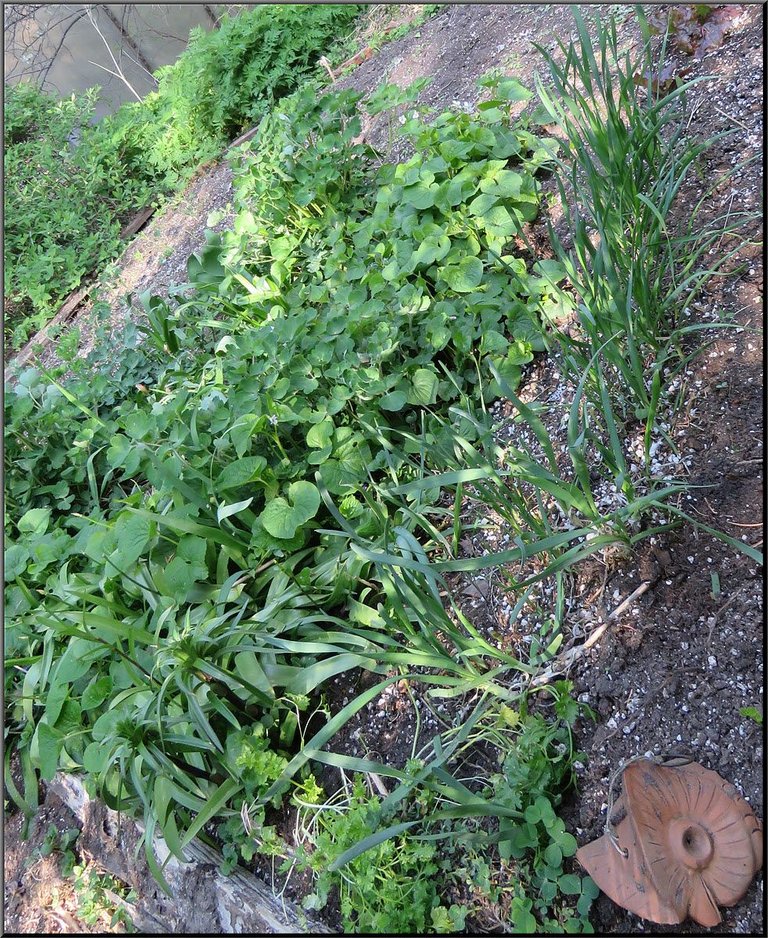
675 670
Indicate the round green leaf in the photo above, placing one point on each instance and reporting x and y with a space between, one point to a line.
240 472
512 91
420 196
96 692
589 888
464 276
567 844
424 387
35 521
16 557
570 884
281 518
553 856
395 400
321 434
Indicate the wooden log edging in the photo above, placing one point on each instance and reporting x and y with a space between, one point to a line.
76 298
201 901
66 311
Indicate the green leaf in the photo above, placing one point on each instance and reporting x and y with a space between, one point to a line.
570 884
15 560
589 888
464 276
553 856
567 844
395 400
505 184
500 221
420 196
511 90
551 271
184 570
96 692
423 387
123 453
35 521
48 748
215 804
240 472
225 511
282 518
584 904
132 533
77 659
482 204
321 434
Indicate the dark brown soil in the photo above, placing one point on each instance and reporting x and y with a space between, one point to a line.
38 899
676 669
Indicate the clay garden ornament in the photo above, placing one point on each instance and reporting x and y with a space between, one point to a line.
679 842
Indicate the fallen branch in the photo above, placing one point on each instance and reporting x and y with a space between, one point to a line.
567 659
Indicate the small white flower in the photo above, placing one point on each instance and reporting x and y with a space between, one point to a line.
273 420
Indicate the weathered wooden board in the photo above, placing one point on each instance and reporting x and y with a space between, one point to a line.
243 137
201 901
42 337
137 222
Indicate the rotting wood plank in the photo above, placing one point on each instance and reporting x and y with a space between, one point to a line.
70 306
137 222
243 137
201 901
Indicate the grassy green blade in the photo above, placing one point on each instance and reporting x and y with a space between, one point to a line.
324 735
216 803
27 805
354 764
149 852
472 564
372 840
755 555
530 417
455 477
185 526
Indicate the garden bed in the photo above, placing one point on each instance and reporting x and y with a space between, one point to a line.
680 667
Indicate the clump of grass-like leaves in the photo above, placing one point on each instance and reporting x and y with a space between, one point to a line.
634 263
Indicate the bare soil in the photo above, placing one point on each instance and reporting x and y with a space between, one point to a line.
674 671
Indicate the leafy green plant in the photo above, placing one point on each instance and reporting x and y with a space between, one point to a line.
101 900
268 490
626 154
61 842
633 266
71 185
65 202
753 714
228 77
350 842
391 888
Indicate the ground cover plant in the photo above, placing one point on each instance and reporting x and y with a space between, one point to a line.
71 186
271 491
65 204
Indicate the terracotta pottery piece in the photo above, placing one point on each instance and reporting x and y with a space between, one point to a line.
685 843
